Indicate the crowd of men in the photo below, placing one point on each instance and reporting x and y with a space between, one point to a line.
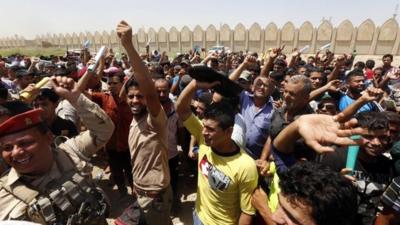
267 136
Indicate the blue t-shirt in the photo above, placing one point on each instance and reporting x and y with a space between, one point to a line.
345 101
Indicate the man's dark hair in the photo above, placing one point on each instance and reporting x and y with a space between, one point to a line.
311 57
370 64
313 69
278 76
61 71
388 55
16 107
354 73
332 198
222 112
156 76
131 83
47 93
3 93
120 75
300 66
372 120
301 63
205 98
359 65
280 62
392 117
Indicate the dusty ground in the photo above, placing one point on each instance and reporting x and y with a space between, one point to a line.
181 213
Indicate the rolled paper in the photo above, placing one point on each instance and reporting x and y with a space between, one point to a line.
380 108
118 56
325 47
26 95
305 48
99 54
86 44
42 82
352 153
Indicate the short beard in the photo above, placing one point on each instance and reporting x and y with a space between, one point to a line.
141 113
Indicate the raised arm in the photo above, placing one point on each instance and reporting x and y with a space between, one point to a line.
209 57
141 74
330 86
99 125
34 61
85 79
294 59
369 95
389 76
269 62
334 75
185 99
249 60
319 132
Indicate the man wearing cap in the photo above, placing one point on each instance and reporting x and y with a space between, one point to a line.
50 185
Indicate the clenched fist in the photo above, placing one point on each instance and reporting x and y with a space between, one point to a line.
124 32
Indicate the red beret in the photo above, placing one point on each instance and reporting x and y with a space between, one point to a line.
21 122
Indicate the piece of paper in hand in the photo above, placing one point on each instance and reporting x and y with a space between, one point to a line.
86 44
99 54
305 48
327 46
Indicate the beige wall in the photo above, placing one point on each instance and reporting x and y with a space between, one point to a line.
366 38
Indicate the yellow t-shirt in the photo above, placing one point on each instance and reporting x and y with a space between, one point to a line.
225 183
273 200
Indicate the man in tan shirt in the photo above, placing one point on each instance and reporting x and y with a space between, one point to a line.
147 139
51 185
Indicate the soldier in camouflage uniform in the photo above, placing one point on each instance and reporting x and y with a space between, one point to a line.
50 185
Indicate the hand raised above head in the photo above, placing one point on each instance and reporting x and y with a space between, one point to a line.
334 85
340 60
295 53
249 60
65 87
372 94
124 32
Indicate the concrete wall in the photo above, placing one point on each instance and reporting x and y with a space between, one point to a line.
366 39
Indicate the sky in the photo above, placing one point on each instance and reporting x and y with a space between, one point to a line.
29 18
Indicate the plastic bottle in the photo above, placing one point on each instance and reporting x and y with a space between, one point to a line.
352 153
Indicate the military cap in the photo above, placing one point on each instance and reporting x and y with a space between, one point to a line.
21 122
